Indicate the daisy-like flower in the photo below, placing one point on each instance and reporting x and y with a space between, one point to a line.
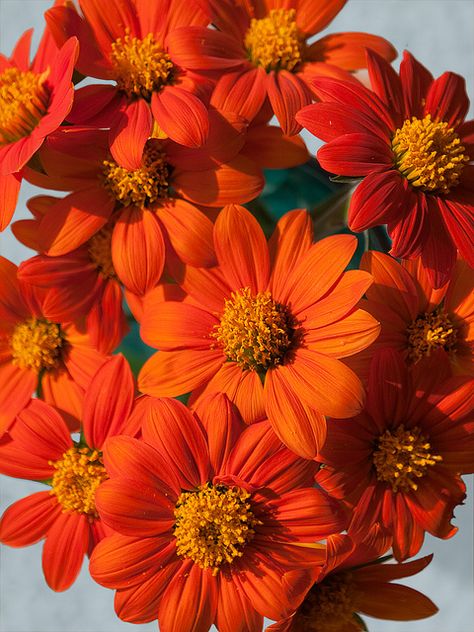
409 141
209 514
39 447
417 320
268 326
37 349
34 100
129 44
355 580
262 47
148 205
398 462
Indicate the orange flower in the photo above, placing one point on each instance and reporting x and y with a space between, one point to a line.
34 349
209 515
355 580
129 44
268 326
417 320
39 447
150 204
262 47
34 100
398 462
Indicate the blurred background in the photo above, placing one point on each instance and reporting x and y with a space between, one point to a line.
440 33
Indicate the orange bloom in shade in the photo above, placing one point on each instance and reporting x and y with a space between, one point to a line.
39 447
268 326
355 580
150 204
417 320
37 349
129 44
263 49
34 100
399 461
209 514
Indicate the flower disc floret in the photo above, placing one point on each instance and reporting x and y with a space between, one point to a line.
429 154
213 525
328 605
274 42
100 252
428 332
37 344
402 457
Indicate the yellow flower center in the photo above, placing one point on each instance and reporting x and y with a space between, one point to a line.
274 42
100 252
140 66
78 474
37 344
142 186
255 331
213 525
429 154
328 606
430 331
24 100
402 457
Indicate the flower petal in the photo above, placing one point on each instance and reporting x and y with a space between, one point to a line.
28 520
130 133
181 115
287 94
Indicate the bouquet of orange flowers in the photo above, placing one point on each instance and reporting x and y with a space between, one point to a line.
299 410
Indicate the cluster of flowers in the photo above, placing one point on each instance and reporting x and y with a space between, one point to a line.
330 411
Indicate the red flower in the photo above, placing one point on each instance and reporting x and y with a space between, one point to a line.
409 139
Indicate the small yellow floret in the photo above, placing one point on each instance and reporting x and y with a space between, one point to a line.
100 252
37 344
430 331
329 605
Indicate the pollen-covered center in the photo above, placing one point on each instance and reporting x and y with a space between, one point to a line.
255 331
140 66
428 332
213 525
402 457
37 344
429 154
329 605
24 100
77 476
142 186
274 42
100 252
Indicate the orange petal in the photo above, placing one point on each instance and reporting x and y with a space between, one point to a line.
235 613
312 17
28 520
271 149
288 94
181 115
242 92
61 391
395 602
17 386
348 50
128 137
9 190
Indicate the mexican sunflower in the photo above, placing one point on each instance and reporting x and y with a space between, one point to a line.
417 320
129 44
35 98
398 462
37 349
409 142
149 205
356 580
39 447
208 515
269 326
262 49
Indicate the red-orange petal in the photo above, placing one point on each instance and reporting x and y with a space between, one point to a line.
181 115
28 520
129 135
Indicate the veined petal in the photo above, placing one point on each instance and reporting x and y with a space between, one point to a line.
287 94
357 154
9 190
345 337
181 115
242 92
130 133
348 50
28 520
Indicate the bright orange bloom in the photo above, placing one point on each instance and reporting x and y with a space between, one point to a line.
417 320
355 580
129 43
209 514
39 447
262 48
36 348
34 100
399 461
268 326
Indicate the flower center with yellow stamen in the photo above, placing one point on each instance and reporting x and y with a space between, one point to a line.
328 605
37 344
274 42
429 154
430 331
100 252
142 186
24 100
213 525
255 331
140 66
402 457
78 474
